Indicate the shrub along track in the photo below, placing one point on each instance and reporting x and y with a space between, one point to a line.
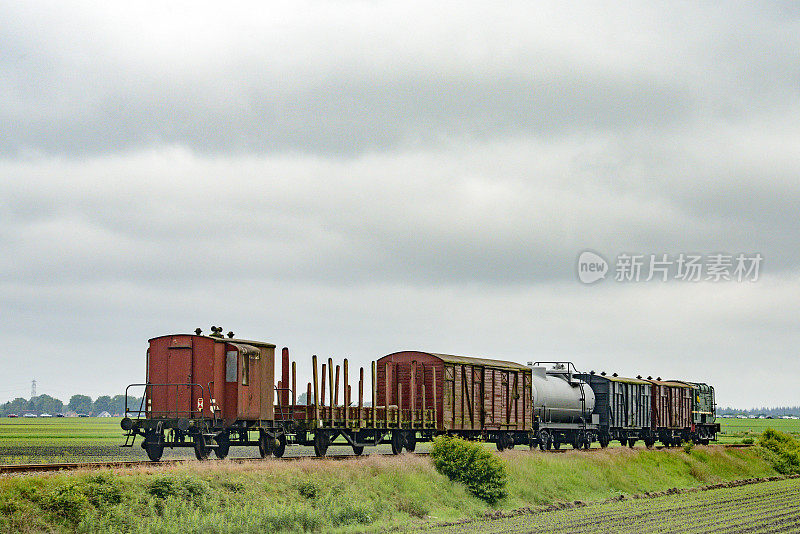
10 469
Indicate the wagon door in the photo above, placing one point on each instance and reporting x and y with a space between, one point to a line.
179 393
618 397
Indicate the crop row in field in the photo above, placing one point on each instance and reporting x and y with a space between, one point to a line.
762 507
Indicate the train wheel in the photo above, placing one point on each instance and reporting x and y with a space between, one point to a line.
154 445
544 440
649 442
201 450
500 443
556 444
603 439
321 442
410 441
397 442
154 451
358 450
265 444
631 442
280 447
223 446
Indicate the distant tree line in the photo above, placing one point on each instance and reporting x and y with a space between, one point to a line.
82 404
774 412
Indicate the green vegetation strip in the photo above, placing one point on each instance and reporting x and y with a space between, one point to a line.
371 493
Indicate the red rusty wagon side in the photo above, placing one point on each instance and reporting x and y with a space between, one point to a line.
471 397
672 411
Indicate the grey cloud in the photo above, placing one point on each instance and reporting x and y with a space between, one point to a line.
353 179
83 96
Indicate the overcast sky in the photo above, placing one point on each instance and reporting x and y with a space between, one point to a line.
350 179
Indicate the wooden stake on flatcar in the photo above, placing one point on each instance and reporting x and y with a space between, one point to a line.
324 379
360 396
294 386
346 394
330 384
309 397
316 390
284 376
336 389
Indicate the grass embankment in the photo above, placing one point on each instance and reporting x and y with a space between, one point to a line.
370 493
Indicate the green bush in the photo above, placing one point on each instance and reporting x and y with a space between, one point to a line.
189 489
483 473
308 489
748 441
102 489
785 450
68 502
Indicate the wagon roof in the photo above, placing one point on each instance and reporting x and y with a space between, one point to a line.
225 340
249 342
694 385
671 383
485 362
624 379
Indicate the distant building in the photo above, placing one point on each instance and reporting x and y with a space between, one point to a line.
104 414
71 414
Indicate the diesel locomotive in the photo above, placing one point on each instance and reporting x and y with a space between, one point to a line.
211 392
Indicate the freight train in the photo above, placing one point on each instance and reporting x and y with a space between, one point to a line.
211 392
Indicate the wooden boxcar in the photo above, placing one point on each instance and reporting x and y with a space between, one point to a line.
672 411
470 396
624 408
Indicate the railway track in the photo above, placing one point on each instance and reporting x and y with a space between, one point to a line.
10 469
